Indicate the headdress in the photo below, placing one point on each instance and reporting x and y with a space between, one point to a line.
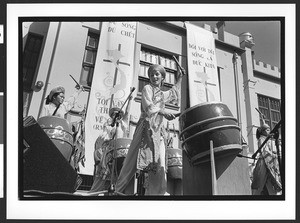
261 130
265 126
157 67
56 90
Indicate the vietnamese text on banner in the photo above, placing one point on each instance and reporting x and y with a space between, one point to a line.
202 66
113 77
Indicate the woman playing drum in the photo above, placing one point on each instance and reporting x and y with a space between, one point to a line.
103 153
266 174
55 103
147 149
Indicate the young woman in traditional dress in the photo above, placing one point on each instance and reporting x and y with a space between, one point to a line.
147 149
56 105
266 174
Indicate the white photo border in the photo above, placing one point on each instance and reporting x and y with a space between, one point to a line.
177 210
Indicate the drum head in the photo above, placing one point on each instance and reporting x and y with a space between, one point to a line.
59 131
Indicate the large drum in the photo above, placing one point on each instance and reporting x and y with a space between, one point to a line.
119 152
207 122
174 163
59 131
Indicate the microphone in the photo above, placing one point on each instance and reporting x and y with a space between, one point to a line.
117 115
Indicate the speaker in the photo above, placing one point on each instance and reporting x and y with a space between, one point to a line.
44 167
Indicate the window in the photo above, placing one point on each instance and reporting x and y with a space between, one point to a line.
89 59
270 108
31 56
148 57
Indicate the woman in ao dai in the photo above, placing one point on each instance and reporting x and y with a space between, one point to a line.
147 149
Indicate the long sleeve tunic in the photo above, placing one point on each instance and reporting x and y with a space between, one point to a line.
266 171
147 149
63 109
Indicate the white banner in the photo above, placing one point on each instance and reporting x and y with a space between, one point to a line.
113 77
202 65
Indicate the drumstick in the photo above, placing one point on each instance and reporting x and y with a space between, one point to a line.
77 84
74 80
181 68
263 116
177 114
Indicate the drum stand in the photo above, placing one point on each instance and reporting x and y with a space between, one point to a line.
213 170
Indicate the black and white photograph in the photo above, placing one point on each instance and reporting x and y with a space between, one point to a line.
1 144
187 108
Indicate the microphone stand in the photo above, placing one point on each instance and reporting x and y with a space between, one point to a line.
117 117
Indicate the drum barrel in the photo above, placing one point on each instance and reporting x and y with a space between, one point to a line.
59 131
209 122
174 163
119 152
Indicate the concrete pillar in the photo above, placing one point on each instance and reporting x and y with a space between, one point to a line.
246 42
221 30
44 68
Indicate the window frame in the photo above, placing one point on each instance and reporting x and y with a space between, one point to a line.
28 84
86 80
267 109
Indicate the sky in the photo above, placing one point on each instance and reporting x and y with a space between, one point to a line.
266 36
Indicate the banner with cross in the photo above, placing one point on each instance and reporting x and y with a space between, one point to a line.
202 65
113 77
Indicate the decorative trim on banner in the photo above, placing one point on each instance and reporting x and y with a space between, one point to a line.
202 65
113 77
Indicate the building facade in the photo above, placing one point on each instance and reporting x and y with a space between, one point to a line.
52 51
